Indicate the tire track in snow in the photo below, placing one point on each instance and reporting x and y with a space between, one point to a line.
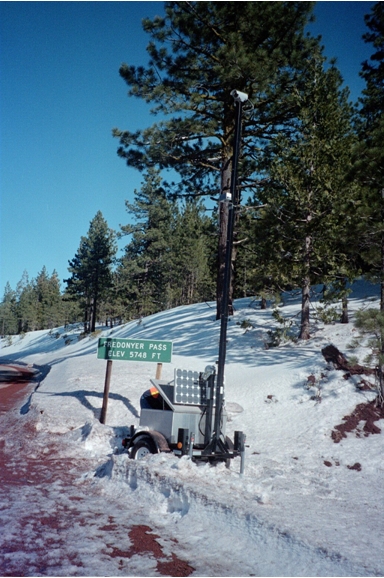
191 502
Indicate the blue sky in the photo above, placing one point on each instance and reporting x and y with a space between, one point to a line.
60 97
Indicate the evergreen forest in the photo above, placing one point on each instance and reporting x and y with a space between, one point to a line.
310 176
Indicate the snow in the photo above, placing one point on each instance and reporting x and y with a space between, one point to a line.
289 514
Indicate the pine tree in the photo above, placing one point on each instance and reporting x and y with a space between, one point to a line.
91 269
258 272
145 270
27 310
49 300
8 312
112 306
72 311
36 304
199 53
369 154
192 249
305 229
369 170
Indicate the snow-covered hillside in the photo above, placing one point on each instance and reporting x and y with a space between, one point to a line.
305 506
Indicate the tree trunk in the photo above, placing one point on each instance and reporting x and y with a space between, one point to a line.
344 314
92 324
381 367
305 300
87 313
382 263
305 292
344 302
94 305
380 376
263 303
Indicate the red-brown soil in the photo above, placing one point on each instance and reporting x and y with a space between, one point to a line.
144 540
32 470
364 412
369 412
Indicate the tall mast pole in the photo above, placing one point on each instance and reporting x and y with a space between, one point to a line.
233 203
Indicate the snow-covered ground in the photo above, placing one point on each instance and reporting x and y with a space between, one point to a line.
298 510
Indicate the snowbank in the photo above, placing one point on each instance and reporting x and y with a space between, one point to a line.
302 508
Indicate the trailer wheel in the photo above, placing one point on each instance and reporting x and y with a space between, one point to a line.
142 448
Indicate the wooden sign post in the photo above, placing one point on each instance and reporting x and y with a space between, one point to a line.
106 391
120 349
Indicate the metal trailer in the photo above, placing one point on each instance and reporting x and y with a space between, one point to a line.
187 416
179 417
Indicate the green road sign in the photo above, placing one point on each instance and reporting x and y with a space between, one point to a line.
119 349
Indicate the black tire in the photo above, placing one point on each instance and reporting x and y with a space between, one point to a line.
142 448
229 445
